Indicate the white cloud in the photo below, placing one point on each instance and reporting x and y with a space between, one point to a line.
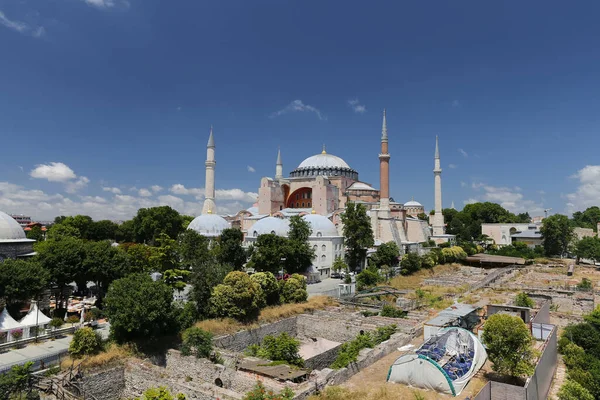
464 153
251 169
156 188
180 189
510 198
356 106
144 192
53 172
297 106
75 186
588 191
235 194
21 27
452 166
112 190
104 3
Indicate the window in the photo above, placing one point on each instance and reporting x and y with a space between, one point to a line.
323 248
255 234
302 204
315 247
272 232
308 205
319 234
323 258
297 196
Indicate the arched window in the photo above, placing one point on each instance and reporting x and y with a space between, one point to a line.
323 248
323 258
315 247
255 234
319 234
272 232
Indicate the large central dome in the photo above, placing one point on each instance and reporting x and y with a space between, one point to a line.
10 229
324 164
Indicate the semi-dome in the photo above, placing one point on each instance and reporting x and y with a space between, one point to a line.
270 225
360 186
413 203
324 164
10 229
210 225
320 225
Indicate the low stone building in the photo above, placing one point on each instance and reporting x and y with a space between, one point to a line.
13 242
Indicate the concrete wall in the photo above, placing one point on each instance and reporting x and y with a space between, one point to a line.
329 327
323 360
241 340
539 384
543 315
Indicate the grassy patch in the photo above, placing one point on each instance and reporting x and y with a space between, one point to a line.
349 351
113 353
415 280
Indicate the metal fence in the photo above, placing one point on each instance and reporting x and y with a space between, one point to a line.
41 362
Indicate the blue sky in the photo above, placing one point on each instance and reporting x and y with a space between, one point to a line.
105 105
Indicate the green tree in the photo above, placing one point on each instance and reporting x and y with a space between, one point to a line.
186 314
294 289
22 280
35 233
187 220
193 250
423 217
176 278
269 250
299 255
104 263
63 259
58 231
522 300
149 223
357 233
139 257
85 342
102 230
164 256
82 223
196 341
260 393
588 248
269 286
230 250
557 233
15 382
587 219
237 297
125 232
386 254
138 308
572 390
411 263
509 345
367 278
339 265
279 348
205 276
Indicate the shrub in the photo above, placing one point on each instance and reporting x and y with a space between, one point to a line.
391 311
367 313
367 278
411 263
197 341
17 334
160 393
429 260
85 342
185 315
572 390
260 393
522 300
278 348
294 289
585 284
56 323
238 297
73 319
453 254
269 286
349 351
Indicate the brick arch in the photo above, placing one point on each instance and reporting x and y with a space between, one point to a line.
299 197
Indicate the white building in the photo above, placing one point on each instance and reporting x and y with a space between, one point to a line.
501 233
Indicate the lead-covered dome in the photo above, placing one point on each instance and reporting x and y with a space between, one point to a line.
209 225
10 229
413 203
270 225
320 225
324 164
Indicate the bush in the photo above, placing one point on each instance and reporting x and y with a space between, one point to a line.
260 393
453 254
411 263
197 341
585 284
392 312
572 390
522 300
349 351
282 348
73 319
367 278
186 315
367 313
429 260
294 289
160 393
238 297
85 342
269 286
56 323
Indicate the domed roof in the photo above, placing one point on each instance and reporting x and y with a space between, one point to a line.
413 203
320 225
324 160
274 225
360 186
10 229
210 225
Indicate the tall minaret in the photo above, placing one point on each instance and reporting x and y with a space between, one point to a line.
279 166
384 169
209 206
438 218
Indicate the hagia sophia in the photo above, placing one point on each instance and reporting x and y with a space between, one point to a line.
318 191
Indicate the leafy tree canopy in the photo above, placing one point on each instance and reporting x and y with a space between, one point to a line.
268 252
269 285
386 254
557 232
237 297
588 248
35 233
149 223
357 233
229 248
22 280
587 219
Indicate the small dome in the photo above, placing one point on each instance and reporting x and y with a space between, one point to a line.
320 225
10 229
360 186
413 203
273 225
324 161
209 225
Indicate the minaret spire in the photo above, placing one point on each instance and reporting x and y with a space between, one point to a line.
384 169
279 166
438 218
209 206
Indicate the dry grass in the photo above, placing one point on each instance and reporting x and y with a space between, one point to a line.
415 280
226 326
388 392
113 353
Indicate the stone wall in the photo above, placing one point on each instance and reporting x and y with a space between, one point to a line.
106 384
323 360
241 340
330 327
12 250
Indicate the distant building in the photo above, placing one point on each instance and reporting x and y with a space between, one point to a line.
580 233
23 220
532 237
501 233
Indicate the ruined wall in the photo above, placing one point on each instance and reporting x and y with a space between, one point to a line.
241 340
322 360
329 327
107 384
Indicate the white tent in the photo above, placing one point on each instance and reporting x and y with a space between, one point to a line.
444 363
33 318
8 324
